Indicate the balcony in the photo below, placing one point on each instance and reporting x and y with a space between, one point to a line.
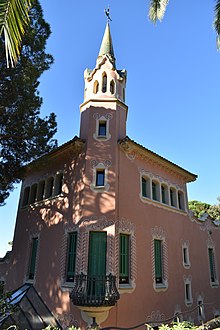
94 291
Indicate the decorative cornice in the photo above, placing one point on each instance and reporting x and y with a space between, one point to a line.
134 150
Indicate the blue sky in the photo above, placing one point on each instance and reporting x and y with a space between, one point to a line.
172 88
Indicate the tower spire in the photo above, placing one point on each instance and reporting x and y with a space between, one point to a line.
107 45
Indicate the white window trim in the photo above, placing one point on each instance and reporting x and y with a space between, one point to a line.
188 281
99 119
214 284
128 229
202 316
159 234
160 181
186 264
100 189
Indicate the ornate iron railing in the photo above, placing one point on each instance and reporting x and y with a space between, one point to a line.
94 290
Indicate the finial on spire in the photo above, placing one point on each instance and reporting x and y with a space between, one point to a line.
107 13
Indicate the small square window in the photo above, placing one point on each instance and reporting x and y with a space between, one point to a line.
102 128
100 178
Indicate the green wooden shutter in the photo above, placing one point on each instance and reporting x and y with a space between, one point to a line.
71 256
97 264
144 187
124 267
211 264
158 261
97 253
33 258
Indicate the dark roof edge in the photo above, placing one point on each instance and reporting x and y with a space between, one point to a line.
190 176
53 153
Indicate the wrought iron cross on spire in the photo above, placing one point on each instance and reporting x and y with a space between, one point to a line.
107 13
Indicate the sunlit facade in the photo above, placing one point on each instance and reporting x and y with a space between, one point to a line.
103 230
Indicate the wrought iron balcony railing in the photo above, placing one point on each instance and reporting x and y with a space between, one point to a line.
94 291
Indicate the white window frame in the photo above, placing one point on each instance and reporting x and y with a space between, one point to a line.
99 119
93 185
188 284
185 247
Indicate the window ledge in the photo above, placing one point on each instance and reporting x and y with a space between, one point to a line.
187 266
188 303
214 284
67 286
42 201
28 281
162 205
160 287
101 137
100 189
126 288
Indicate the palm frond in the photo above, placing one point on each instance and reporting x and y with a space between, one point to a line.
13 20
217 23
157 9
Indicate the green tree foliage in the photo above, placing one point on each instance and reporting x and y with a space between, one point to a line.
214 210
158 8
185 325
24 135
198 207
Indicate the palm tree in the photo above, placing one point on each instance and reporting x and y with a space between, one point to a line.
158 8
13 20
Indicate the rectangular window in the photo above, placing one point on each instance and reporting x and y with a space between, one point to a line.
102 128
71 256
188 293
124 267
32 266
158 259
212 265
186 262
2 284
163 193
100 178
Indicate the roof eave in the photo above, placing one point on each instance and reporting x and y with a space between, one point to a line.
127 142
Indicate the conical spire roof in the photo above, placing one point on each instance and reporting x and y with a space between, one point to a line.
107 45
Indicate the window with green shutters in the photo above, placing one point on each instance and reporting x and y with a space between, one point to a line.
158 259
71 256
124 267
212 265
32 266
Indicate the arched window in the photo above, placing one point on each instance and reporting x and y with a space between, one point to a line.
26 196
58 184
164 194
96 87
173 197
40 191
33 193
123 91
112 87
155 191
49 187
104 83
181 200
145 186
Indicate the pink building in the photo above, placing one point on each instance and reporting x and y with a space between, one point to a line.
103 228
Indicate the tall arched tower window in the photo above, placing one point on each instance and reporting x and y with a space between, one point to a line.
96 87
104 83
112 87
